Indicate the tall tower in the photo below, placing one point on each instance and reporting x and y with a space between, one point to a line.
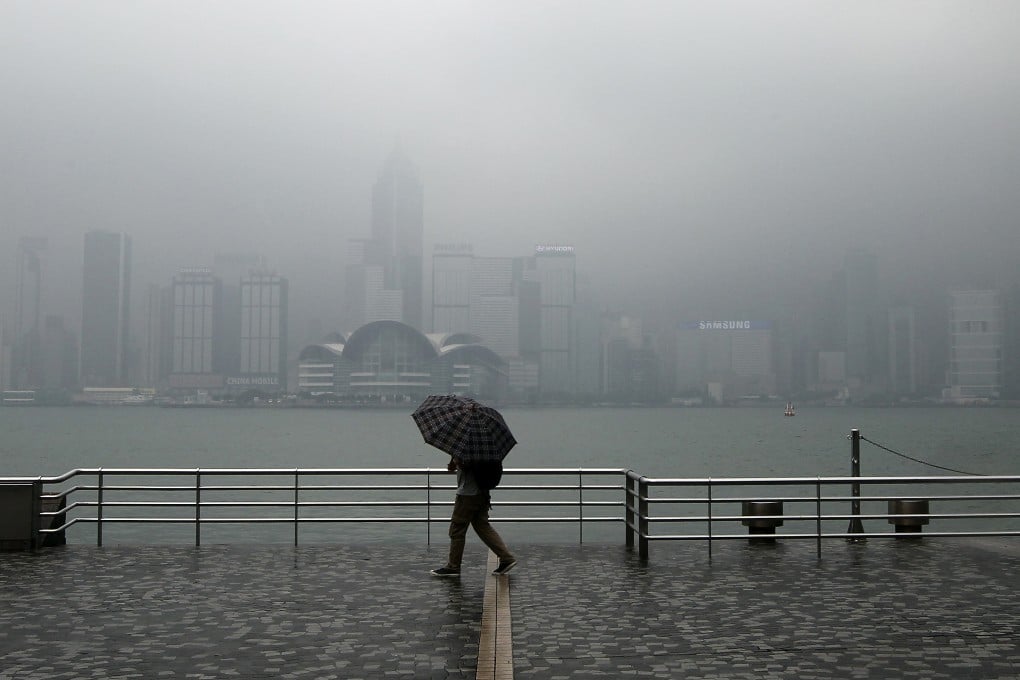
26 354
554 272
104 312
198 300
866 319
157 350
902 350
263 332
451 287
398 231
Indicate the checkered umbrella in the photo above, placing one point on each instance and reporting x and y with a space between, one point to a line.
463 428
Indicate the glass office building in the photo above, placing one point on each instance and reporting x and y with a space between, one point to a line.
976 344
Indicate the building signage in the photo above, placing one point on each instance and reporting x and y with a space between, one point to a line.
556 250
194 270
253 381
736 325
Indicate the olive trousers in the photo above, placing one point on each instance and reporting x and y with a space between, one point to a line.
473 511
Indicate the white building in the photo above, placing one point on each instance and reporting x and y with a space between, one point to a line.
976 324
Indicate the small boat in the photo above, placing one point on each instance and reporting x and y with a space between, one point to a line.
789 409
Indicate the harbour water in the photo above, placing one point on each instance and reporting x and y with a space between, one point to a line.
658 442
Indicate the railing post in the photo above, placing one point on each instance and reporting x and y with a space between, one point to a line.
297 475
198 507
710 518
628 508
855 488
818 515
99 514
428 506
643 518
580 506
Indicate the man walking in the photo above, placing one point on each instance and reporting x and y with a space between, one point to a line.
472 508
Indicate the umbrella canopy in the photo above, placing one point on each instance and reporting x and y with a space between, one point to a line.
463 428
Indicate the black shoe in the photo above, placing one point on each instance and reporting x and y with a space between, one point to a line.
445 571
504 567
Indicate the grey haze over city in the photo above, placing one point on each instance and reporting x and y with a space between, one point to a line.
704 159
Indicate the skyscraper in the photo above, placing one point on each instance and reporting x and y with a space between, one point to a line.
383 275
369 298
26 356
976 342
106 287
157 352
213 353
398 231
866 319
451 287
263 332
495 307
554 272
230 268
902 350
197 300
479 295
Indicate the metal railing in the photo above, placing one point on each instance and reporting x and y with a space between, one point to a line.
650 510
301 497
975 507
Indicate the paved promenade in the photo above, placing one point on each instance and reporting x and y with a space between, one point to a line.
931 609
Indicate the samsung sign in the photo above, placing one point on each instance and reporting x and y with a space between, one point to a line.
724 325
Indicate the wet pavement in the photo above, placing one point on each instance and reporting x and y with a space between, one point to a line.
929 608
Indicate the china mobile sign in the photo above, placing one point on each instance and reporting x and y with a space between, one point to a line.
724 325
253 381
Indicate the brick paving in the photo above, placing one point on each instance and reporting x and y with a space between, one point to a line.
930 608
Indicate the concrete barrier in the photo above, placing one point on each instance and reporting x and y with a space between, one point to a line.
20 504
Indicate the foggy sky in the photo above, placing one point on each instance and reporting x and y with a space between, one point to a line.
676 145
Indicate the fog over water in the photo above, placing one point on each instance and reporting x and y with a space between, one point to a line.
702 157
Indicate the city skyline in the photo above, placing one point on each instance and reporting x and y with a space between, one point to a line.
891 349
857 336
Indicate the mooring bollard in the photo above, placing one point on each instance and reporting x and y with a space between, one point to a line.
908 525
761 519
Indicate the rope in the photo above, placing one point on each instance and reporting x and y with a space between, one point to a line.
918 460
